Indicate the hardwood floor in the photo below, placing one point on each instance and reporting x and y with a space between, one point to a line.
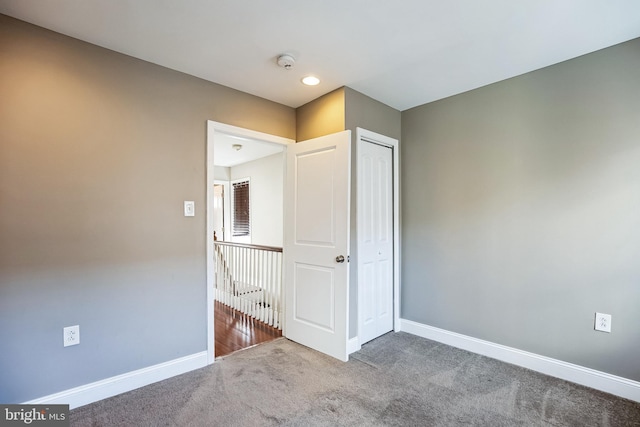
235 331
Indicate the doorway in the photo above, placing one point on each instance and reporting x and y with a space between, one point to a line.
240 143
362 137
378 235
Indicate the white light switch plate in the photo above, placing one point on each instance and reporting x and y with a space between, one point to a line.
189 208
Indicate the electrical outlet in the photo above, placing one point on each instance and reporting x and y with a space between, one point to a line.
71 335
603 322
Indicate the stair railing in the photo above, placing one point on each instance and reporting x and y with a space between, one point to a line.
249 279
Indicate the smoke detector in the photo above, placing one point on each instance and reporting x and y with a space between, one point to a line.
286 61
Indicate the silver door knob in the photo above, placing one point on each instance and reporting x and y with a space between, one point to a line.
340 258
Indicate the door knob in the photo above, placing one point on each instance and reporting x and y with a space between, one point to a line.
340 258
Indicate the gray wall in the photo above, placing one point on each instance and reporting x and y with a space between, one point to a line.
521 211
97 153
366 113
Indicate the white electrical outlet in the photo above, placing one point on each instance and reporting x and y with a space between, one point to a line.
71 335
603 322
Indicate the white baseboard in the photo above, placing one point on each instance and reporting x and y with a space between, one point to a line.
102 389
598 380
353 345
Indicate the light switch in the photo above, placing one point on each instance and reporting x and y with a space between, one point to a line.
189 208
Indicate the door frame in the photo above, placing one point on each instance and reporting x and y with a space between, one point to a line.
364 136
226 205
212 128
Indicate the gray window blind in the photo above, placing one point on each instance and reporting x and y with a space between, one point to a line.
241 208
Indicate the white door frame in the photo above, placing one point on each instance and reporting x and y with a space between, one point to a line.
227 205
212 128
364 136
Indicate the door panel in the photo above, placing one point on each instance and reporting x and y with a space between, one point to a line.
314 197
375 244
314 289
316 232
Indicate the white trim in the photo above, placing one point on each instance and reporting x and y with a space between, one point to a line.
212 128
209 245
598 380
103 389
353 345
362 136
247 133
227 206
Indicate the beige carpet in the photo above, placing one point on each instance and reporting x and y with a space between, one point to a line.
396 380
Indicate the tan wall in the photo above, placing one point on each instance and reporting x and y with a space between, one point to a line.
98 151
323 116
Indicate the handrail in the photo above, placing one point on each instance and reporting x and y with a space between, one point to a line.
244 245
249 279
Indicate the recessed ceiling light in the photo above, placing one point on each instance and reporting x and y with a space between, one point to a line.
311 80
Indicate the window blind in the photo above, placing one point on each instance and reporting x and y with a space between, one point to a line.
241 208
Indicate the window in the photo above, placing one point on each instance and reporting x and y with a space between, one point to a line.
240 212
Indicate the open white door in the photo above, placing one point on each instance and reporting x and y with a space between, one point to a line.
316 243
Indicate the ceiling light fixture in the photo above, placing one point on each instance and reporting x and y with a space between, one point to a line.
237 147
311 80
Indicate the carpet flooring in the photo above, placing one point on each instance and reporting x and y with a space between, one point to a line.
396 380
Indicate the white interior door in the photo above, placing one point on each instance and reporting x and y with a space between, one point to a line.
316 280
375 241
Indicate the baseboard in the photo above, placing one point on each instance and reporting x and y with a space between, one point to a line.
353 345
598 380
102 389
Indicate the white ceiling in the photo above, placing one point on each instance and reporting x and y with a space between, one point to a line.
224 154
402 53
